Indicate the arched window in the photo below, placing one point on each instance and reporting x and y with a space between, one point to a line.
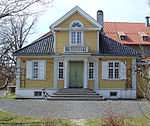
76 35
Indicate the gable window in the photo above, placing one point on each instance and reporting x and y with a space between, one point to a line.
143 36
76 35
61 70
122 36
91 70
113 70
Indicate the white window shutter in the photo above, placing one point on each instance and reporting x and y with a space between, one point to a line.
42 69
123 70
104 69
29 69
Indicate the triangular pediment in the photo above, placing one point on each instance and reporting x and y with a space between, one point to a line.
76 9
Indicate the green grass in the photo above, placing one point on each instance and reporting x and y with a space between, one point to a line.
132 121
8 96
8 119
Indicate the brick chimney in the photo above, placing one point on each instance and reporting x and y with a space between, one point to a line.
147 21
100 19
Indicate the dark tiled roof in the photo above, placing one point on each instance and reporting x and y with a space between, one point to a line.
111 47
42 46
143 49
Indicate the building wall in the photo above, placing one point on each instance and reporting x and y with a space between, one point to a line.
115 84
27 83
90 37
76 16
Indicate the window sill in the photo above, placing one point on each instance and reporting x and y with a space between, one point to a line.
38 79
114 79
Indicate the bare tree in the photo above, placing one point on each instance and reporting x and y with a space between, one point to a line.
17 19
22 7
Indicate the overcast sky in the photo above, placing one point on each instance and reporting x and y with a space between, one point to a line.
114 11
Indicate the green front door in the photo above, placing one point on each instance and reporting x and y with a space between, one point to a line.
76 74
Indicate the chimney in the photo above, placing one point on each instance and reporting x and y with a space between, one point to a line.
100 19
147 21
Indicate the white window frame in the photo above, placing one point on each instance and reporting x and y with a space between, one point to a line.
60 68
38 70
91 68
33 74
76 30
114 68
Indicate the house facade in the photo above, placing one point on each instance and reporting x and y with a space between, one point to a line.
76 54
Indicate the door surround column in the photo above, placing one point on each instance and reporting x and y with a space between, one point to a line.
66 70
55 73
85 73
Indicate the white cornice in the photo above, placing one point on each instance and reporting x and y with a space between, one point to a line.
76 29
71 12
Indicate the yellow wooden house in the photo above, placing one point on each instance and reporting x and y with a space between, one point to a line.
76 54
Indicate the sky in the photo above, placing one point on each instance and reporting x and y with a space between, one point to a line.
114 11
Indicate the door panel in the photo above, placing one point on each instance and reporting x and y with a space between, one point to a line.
76 74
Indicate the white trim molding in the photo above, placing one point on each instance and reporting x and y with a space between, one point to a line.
133 74
18 73
77 29
120 94
97 41
71 12
55 73
96 82
29 93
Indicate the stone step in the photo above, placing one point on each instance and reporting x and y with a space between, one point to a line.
76 96
75 93
75 99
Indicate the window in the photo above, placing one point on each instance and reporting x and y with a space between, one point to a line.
143 36
113 93
61 70
113 70
35 70
91 70
122 36
37 93
76 36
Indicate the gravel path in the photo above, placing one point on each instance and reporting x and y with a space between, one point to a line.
72 109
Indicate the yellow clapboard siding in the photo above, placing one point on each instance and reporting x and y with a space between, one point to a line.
60 83
48 83
113 84
90 39
62 38
91 84
76 16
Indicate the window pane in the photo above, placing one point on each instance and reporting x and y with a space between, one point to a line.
116 64
110 73
116 73
91 72
35 64
73 37
61 73
91 64
110 64
60 64
78 37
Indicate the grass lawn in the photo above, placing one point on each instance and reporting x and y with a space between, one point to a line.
132 121
8 119
8 96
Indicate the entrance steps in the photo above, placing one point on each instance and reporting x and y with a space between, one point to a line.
76 94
